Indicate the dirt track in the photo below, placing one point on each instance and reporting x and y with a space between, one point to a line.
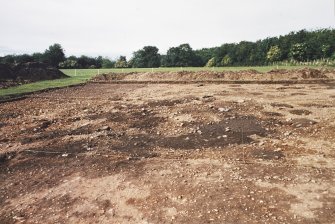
159 153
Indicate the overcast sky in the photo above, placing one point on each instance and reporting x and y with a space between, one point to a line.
119 27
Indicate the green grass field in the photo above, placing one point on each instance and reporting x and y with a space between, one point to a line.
82 75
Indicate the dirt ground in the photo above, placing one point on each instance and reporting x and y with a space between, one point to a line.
230 76
169 153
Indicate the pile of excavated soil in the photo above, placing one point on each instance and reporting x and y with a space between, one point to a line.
299 74
27 72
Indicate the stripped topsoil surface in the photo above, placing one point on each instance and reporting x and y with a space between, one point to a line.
159 153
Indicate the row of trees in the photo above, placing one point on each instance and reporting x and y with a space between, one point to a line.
299 46
296 46
55 56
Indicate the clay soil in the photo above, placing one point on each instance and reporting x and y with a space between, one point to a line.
169 153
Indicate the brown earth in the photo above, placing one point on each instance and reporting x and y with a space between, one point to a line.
159 153
247 75
26 73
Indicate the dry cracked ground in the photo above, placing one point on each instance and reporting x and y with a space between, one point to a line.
159 153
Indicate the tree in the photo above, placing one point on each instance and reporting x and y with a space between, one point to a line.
147 57
68 63
298 52
24 58
226 61
121 62
325 48
38 57
273 54
107 63
211 62
181 56
204 55
84 62
54 55
333 56
8 59
98 62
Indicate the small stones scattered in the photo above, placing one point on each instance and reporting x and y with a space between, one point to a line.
104 128
288 133
222 109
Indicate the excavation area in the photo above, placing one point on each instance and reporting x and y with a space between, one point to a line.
169 153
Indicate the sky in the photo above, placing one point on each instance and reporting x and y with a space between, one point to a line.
119 27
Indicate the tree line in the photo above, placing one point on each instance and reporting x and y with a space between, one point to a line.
298 46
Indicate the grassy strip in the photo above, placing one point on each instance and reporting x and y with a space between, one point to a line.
82 75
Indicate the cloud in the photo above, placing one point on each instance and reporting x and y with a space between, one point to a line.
111 28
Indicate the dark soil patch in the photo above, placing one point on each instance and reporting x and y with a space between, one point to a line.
315 105
235 131
8 115
165 103
145 121
290 87
70 148
257 94
49 135
300 112
298 94
273 114
4 157
281 105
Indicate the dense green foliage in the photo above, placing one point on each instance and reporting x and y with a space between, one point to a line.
54 55
121 62
274 54
295 47
181 56
147 57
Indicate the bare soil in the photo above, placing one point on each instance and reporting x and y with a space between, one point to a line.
244 75
169 153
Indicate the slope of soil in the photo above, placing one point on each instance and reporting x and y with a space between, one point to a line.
163 153
300 74
27 72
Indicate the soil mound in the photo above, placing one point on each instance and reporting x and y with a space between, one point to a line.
27 72
304 73
246 75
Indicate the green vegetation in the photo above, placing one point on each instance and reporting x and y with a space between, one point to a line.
147 57
274 54
78 77
121 62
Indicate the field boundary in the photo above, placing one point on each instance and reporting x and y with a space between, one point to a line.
310 81
22 96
